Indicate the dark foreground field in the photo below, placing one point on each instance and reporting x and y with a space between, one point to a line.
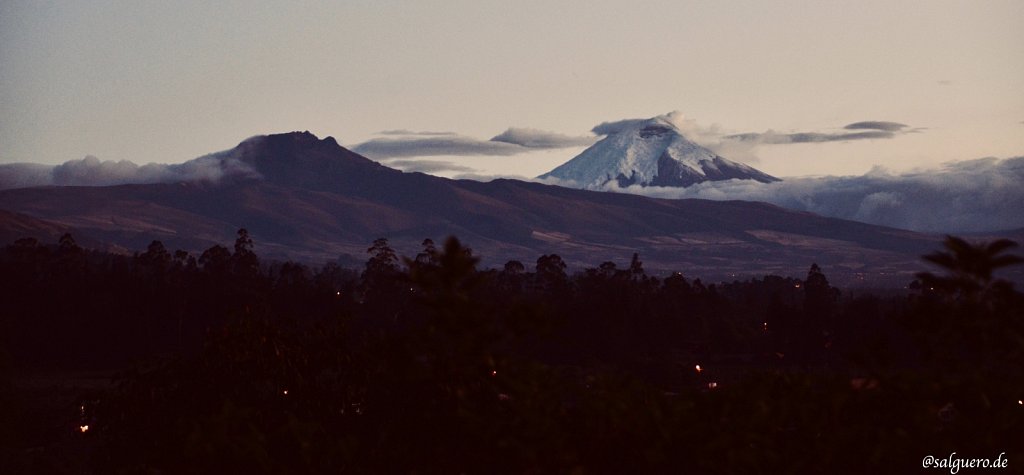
170 363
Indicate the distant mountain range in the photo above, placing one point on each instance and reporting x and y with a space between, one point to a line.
309 199
650 153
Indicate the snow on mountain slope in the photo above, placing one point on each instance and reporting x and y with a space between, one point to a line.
650 153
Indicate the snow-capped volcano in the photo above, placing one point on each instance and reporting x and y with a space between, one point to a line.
650 152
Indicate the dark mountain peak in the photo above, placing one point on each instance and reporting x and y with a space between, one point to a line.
305 135
304 140
302 159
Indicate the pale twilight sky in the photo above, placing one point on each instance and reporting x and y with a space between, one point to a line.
158 81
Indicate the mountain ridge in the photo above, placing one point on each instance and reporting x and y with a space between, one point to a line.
313 200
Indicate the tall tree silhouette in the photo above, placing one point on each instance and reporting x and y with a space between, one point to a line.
551 274
244 259
819 300
382 262
969 267
215 259
380 279
155 260
429 254
70 256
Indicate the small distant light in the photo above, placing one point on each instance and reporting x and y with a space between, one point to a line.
83 429
765 326
698 368
338 293
797 286
712 385
494 372
1020 402
285 392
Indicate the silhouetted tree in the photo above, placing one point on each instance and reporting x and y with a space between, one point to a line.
676 284
334 279
381 279
819 296
244 260
70 257
514 268
67 245
636 268
156 258
382 262
429 254
216 259
550 273
809 331
30 255
184 260
447 292
606 270
969 267
511 277
292 275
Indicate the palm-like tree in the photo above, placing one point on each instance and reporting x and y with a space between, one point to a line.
969 267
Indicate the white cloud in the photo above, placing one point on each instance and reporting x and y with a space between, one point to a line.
411 132
877 125
420 146
976 195
427 166
533 138
23 175
91 171
742 147
513 141
616 126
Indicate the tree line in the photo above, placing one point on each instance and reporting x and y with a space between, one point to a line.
429 364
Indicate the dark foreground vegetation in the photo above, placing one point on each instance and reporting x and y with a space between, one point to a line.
430 365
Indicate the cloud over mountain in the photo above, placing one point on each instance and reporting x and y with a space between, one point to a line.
652 152
427 166
419 146
616 126
24 175
704 135
877 125
410 132
91 171
742 147
976 195
399 144
775 138
533 138
864 130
